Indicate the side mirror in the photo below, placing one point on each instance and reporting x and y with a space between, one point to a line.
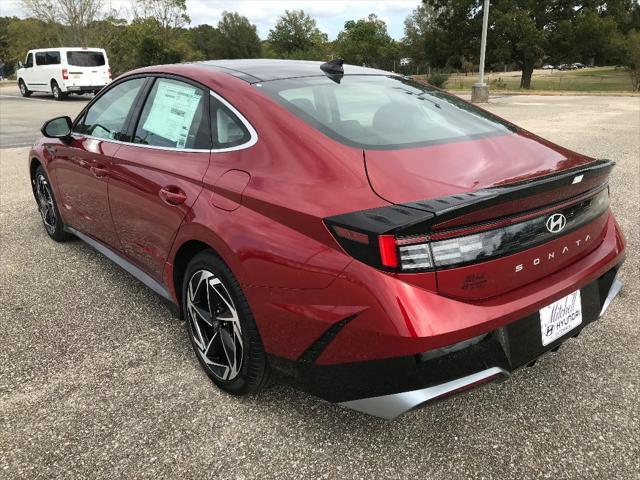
20 64
59 127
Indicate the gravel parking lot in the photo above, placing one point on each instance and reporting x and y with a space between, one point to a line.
97 378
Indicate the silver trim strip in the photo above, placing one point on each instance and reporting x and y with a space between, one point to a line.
252 132
250 143
391 406
123 263
616 286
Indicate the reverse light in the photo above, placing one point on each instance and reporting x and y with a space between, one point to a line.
65 74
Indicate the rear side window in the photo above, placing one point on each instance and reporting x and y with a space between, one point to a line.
107 116
383 112
228 129
84 58
174 116
48 58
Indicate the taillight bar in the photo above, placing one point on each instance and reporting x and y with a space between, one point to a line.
449 249
65 74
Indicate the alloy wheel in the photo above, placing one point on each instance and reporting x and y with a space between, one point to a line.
56 92
45 204
215 325
23 88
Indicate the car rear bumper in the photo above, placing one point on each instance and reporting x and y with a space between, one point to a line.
390 387
84 88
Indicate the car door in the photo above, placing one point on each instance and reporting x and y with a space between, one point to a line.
82 165
155 180
42 71
28 74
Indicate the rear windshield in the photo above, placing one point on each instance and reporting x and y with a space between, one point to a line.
85 59
379 112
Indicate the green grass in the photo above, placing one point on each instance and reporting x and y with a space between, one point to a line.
595 79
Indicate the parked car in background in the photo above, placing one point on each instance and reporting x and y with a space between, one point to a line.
381 241
61 71
577 65
548 67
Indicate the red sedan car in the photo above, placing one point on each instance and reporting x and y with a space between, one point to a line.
380 241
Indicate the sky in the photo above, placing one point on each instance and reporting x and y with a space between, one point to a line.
330 15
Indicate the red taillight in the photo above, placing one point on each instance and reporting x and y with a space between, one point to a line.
388 252
109 74
65 74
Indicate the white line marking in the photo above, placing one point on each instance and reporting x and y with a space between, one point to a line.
24 98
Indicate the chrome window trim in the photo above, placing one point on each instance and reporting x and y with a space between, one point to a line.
253 135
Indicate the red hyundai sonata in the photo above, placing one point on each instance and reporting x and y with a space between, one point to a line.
380 241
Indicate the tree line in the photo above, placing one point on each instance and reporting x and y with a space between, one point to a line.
439 35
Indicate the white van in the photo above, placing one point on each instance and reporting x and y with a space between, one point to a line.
61 71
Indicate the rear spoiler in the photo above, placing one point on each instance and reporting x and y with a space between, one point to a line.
421 217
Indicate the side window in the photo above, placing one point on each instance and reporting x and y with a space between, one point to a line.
28 63
106 117
41 58
228 130
53 58
174 116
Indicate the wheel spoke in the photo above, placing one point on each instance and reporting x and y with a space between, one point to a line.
45 204
216 328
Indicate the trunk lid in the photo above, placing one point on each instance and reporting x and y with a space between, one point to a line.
411 174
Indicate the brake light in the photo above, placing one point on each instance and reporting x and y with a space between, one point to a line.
109 74
388 252
65 74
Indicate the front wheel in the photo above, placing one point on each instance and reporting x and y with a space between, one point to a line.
47 206
221 327
24 91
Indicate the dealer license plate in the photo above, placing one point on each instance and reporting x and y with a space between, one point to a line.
560 317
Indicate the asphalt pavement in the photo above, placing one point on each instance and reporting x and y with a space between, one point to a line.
21 118
98 380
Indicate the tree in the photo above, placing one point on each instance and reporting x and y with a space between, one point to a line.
366 42
526 32
419 34
204 39
236 37
170 14
595 37
296 35
633 57
76 15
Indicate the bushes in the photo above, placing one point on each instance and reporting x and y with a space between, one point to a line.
438 79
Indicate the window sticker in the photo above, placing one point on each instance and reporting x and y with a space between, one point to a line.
172 112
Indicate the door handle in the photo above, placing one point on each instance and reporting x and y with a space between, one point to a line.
172 195
99 172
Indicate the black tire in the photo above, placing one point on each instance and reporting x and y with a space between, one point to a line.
58 94
24 91
51 219
253 373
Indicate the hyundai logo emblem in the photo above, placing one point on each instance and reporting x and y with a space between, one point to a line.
556 223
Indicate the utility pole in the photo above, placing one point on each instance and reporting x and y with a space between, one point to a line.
480 90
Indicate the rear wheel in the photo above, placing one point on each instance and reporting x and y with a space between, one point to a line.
24 91
221 327
47 206
57 93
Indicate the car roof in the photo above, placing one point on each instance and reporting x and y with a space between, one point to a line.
62 49
264 70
